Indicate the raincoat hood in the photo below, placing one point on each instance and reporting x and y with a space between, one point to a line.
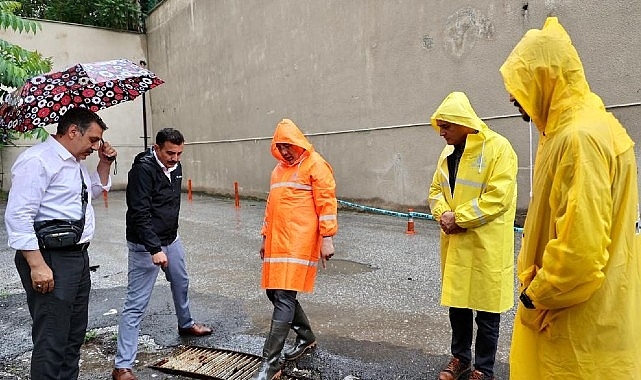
288 133
456 109
545 75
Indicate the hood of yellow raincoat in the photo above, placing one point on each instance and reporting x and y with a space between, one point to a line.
456 109
288 133
545 75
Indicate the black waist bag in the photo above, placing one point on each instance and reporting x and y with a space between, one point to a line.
58 233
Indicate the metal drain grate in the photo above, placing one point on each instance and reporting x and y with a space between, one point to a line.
211 363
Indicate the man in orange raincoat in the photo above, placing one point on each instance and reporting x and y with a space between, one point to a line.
300 220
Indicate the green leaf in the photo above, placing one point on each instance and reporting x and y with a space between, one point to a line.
18 64
115 14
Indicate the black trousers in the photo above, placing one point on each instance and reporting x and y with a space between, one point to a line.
59 317
487 337
284 302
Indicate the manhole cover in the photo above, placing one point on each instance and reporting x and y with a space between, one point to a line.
211 363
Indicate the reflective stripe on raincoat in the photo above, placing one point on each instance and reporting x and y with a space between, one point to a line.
301 209
579 258
477 266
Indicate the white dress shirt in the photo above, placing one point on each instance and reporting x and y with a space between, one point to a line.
46 184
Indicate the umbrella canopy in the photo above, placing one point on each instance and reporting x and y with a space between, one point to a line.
97 85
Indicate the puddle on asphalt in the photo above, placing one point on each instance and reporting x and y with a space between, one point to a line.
341 266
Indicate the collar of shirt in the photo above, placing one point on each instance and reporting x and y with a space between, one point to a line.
164 168
63 153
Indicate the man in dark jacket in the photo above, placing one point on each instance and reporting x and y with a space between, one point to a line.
153 205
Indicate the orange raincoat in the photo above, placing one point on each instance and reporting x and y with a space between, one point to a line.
301 209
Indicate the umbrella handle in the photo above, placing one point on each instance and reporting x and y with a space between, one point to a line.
115 164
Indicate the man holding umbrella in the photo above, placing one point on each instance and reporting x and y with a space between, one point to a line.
49 199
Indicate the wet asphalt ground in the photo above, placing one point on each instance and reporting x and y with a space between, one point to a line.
375 309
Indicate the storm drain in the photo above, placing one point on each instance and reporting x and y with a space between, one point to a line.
211 363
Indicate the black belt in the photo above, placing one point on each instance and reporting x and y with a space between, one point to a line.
70 248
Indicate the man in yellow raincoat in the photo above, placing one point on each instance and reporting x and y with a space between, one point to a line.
473 196
300 220
579 266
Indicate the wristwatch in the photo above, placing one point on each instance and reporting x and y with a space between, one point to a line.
525 300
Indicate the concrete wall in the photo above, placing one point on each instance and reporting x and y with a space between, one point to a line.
68 44
362 78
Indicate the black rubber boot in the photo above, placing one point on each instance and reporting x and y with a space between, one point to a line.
270 368
305 338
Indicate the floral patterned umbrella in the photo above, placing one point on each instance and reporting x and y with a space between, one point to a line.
98 85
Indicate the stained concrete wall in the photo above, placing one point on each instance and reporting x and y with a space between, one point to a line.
362 78
67 45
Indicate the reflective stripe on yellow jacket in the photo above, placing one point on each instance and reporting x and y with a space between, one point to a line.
579 258
301 209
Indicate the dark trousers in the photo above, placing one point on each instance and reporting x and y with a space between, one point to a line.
60 317
487 337
284 302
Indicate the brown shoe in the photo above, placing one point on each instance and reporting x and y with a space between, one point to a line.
478 375
455 370
196 329
123 374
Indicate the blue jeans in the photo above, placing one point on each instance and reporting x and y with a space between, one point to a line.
141 279
487 337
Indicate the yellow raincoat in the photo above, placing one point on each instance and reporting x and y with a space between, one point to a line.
301 209
579 257
477 266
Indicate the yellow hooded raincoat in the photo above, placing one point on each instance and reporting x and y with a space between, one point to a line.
579 257
301 209
477 266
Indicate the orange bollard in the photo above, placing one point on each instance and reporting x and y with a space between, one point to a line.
236 196
410 222
105 198
189 196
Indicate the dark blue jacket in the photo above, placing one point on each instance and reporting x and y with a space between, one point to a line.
153 203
